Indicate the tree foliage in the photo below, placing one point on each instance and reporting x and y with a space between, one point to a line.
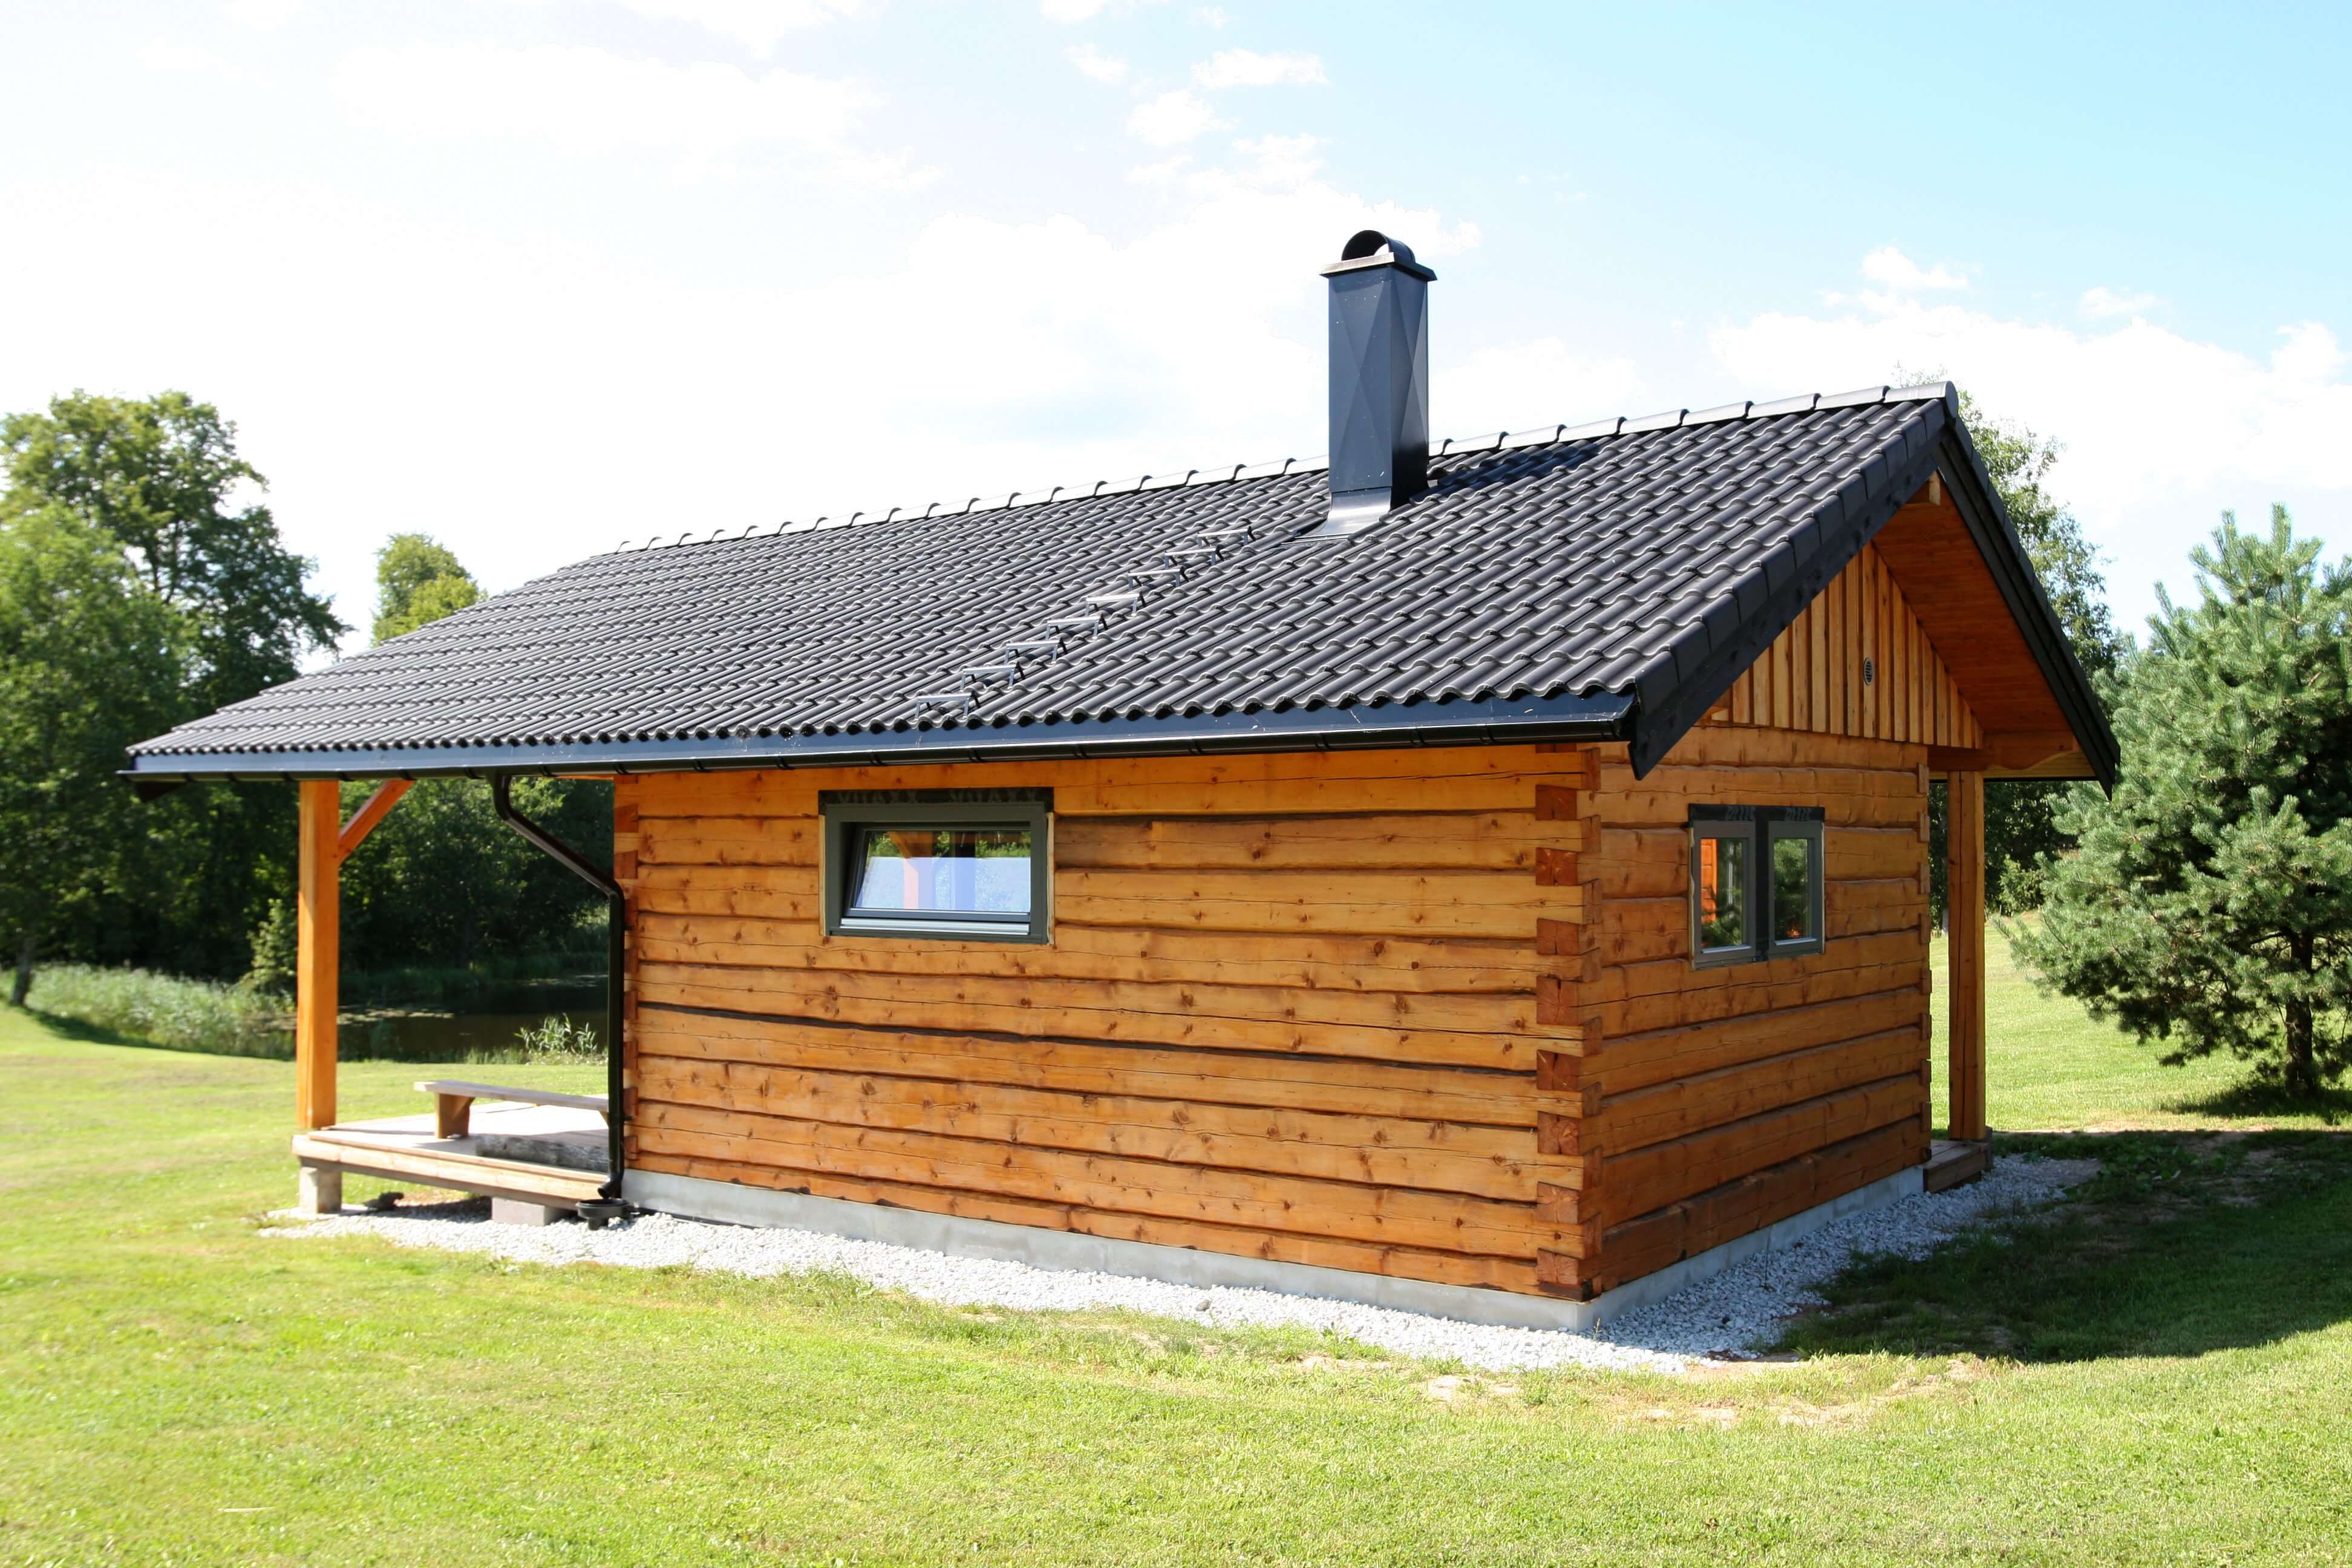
157 485
2211 903
160 477
418 580
87 665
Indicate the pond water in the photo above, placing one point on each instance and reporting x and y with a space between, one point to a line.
431 1037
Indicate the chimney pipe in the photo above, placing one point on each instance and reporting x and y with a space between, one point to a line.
1380 381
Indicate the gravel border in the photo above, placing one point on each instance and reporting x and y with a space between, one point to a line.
1722 1316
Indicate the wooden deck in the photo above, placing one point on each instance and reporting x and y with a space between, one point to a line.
553 1155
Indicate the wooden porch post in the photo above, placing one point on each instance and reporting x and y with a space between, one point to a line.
319 954
1965 900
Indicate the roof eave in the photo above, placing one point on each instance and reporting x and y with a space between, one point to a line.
1491 721
1676 698
2029 603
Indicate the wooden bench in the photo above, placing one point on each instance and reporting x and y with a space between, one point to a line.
453 1104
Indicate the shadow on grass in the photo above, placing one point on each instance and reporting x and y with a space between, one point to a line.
2183 1244
87 1033
2251 1100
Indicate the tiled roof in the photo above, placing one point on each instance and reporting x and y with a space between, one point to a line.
1564 582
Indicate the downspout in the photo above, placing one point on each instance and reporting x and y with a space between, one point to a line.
602 1210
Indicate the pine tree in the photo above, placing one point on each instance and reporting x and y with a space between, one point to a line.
2211 904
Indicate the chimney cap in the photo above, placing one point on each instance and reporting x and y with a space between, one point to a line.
1371 247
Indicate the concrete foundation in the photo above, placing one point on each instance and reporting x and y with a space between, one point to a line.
318 1189
694 1198
514 1211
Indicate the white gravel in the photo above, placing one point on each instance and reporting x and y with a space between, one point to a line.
1725 1315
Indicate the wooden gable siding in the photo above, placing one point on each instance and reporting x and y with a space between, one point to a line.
1811 677
1292 1007
1699 1104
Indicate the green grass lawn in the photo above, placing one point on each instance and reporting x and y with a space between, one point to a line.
2049 1067
2158 1375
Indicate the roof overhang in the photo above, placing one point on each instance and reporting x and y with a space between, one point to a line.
1678 692
2011 570
1502 721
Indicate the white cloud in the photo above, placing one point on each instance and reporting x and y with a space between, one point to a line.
1282 160
1094 63
2161 430
264 14
1211 16
1892 269
186 59
1173 119
563 386
1521 386
1244 67
1071 10
581 99
758 23
2102 303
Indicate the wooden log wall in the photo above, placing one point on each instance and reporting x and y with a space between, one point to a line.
1697 1105
1813 678
1293 1006
1428 1013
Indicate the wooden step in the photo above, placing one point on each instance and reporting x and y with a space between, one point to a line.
1953 1162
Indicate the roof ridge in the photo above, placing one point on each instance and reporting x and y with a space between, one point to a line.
1536 435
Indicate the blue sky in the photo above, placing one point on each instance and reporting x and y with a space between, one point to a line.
537 277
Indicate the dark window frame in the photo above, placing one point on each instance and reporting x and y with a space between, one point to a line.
1730 832
847 814
1760 827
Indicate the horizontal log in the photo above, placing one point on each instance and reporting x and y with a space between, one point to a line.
1443 1268
692 986
808 992
1484 1162
1374 903
1714 746
1660 1111
1390 1215
1479 778
1649 1242
1288 959
1676 977
1662 1174
1465 841
1226 1078
1628 1062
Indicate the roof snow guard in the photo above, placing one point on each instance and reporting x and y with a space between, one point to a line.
1601 582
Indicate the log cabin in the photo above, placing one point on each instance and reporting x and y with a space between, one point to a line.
1487 876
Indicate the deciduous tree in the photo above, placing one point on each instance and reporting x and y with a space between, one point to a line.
160 479
89 661
418 580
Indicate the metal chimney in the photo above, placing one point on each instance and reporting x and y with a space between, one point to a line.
1379 380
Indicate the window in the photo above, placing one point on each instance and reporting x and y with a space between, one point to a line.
1755 883
963 864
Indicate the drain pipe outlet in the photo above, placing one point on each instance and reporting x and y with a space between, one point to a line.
597 1212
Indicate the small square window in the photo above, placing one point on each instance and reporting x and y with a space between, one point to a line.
1755 883
936 864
